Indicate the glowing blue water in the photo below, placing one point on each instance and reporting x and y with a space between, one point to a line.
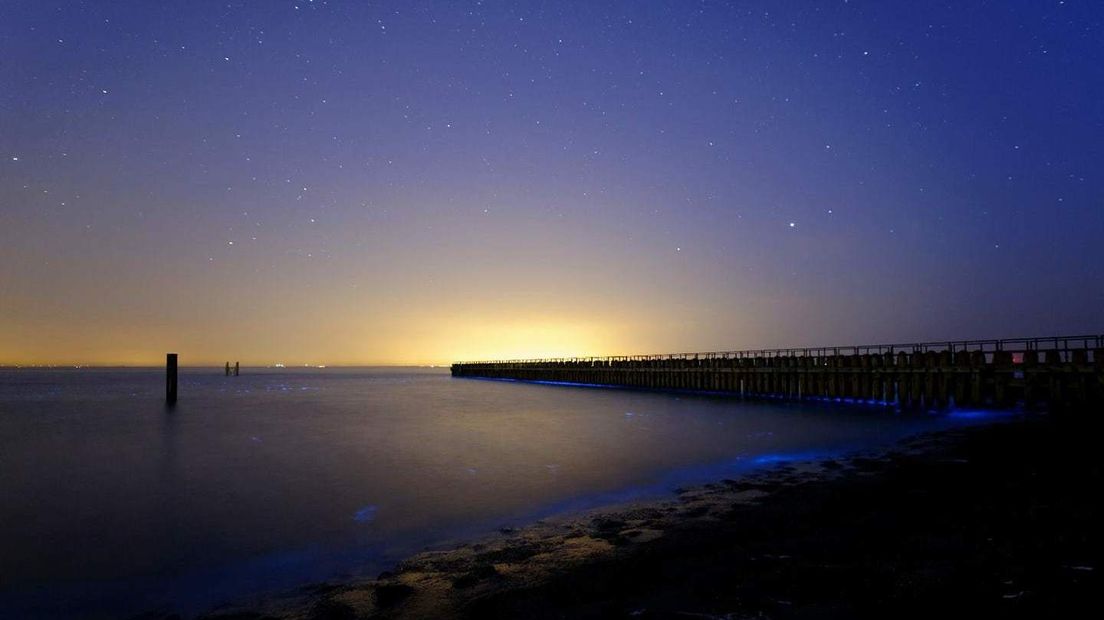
114 505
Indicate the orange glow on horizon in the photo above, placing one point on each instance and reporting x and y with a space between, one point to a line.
439 342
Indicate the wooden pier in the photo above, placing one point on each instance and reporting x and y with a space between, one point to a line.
1054 373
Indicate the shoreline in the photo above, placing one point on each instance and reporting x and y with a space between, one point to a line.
994 518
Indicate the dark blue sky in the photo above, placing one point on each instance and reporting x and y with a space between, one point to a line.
333 182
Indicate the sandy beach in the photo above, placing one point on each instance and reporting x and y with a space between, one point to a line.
991 521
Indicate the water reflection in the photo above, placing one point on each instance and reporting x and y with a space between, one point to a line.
274 478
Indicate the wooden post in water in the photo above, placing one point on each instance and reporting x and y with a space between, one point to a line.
227 369
170 378
237 368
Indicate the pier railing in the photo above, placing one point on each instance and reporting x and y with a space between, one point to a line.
1055 371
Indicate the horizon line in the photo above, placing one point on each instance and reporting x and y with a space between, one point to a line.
222 364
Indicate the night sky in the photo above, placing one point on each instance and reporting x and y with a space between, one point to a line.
418 182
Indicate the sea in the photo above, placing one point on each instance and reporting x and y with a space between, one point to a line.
113 504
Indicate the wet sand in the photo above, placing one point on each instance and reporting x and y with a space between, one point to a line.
991 521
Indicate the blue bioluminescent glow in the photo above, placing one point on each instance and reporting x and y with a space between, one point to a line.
788 457
366 514
980 414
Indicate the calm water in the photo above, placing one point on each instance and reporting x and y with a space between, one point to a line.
111 504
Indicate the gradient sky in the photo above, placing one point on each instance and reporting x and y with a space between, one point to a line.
418 182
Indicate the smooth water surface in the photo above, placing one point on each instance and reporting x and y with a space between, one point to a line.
111 504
